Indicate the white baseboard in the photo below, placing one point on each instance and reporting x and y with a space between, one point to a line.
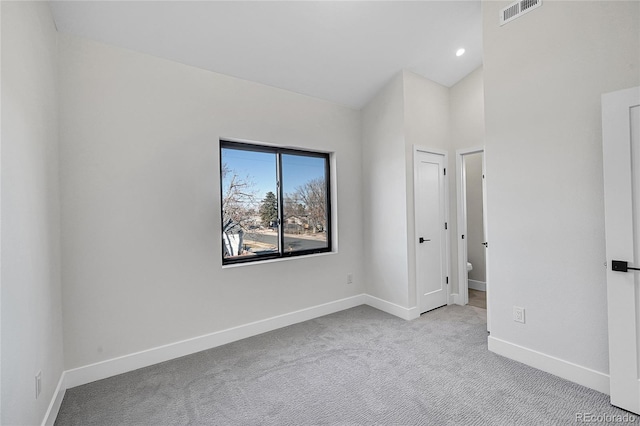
56 402
112 367
101 370
455 299
126 363
567 370
391 308
477 285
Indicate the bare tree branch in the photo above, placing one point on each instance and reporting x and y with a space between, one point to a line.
239 200
309 201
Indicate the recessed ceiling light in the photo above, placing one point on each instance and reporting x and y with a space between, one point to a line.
460 52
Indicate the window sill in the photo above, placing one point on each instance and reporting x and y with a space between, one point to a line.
280 259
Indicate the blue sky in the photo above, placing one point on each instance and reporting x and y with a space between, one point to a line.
260 167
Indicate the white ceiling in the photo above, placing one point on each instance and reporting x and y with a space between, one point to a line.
341 51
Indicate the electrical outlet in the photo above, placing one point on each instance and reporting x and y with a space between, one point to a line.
518 314
349 278
38 383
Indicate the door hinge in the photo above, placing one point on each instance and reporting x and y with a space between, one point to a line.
445 171
463 236
447 280
445 225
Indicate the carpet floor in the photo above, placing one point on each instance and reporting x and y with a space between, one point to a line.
356 367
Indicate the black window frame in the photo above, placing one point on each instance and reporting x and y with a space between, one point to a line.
278 151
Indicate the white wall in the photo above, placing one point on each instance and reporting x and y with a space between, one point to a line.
140 200
31 293
410 110
467 131
384 195
467 111
426 124
0 214
544 74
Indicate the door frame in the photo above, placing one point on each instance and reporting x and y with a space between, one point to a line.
461 207
447 240
461 184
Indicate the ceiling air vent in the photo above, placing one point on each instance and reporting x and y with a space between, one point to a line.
517 9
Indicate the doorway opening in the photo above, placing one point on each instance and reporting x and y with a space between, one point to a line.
472 241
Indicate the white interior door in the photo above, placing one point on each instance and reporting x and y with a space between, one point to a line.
621 154
463 255
431 233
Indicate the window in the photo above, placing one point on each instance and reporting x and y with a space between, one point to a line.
275 202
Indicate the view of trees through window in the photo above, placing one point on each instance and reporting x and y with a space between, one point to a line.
275 202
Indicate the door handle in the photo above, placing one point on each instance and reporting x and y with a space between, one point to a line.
422 240
621 266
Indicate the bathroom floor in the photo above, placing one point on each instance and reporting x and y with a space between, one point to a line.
478 298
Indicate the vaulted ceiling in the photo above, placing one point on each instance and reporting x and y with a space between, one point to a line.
341 51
